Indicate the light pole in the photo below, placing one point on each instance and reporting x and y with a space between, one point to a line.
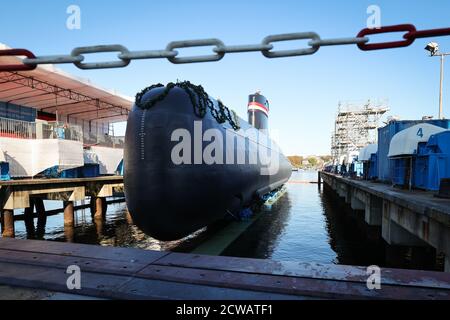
433 48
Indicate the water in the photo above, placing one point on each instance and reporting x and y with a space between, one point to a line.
305 225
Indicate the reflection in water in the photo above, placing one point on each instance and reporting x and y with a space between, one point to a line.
346 237
294 229
262 238
114 230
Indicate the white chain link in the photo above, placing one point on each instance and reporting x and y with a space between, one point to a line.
219 50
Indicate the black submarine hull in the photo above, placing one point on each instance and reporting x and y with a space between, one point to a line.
169 200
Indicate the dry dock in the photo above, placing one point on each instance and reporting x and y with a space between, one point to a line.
126 273
404 218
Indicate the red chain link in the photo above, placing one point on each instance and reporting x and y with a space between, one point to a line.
387 45
17 67
411 35
428 33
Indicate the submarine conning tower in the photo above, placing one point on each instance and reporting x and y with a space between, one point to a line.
258 111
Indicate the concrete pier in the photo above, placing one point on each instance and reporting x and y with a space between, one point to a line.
412 219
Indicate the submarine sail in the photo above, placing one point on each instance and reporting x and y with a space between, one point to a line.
189 160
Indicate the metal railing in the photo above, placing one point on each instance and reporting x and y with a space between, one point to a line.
58 130
104 140
12 128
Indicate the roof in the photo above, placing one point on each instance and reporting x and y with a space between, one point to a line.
367 151
48 89
405 142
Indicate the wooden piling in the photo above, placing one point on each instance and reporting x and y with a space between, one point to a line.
42 217
99 208
128 217
98 223
69 216
29 220
69 233
8 224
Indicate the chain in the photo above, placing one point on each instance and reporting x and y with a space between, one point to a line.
199 99
219 49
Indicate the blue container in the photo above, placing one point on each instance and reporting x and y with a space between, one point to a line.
90 170
385 134
4 171
70 173
373 167
439 143
399 169
51 172
433 162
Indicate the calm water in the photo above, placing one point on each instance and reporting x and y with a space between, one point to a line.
307 225
304 225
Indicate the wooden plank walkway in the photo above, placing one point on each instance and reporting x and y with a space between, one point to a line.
128 273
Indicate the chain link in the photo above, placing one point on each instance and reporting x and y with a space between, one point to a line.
196 43
387 45
199 99
338 42
219 49
77 52
289 37
53 60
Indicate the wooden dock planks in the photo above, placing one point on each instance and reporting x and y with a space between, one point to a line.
127 273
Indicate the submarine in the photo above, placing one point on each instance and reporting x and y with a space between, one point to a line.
190 161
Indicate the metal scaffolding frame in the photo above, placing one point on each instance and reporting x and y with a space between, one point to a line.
355 127
42 88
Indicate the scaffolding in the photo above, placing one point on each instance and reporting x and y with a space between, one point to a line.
355 127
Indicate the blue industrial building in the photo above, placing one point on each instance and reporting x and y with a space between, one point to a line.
385 166
432 162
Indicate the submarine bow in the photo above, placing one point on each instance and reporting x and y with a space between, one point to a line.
189 161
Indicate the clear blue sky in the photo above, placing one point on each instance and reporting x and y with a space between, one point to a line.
304 91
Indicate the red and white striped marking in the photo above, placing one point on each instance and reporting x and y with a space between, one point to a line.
258 106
